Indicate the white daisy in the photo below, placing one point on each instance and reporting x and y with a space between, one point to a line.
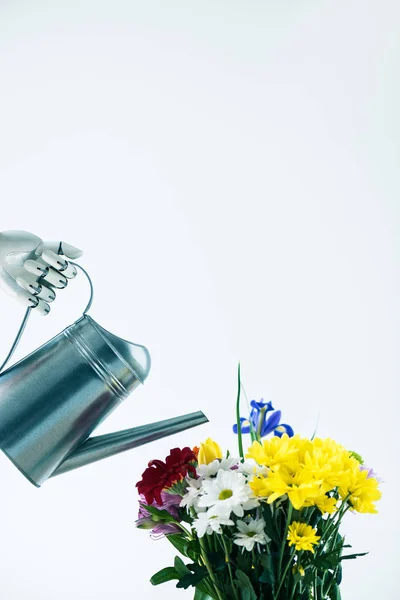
192 492
250 467
251 503
251 532
228 492
217 465
206 523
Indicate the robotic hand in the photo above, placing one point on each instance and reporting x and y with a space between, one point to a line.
31 270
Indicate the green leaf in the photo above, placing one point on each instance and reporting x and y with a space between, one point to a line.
217 559
203 586
179 542
190 549
244 561
180 567
268 574
339 574
350 556
327 561
196 574
271 525
239 425
199 595
335 594
357 456
245 587
164 575
159 514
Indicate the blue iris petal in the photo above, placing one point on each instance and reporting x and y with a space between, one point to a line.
287 429
261 424
243 426
271 423
259 405
254 416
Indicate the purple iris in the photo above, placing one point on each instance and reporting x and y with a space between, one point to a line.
164 529
170 502
263 425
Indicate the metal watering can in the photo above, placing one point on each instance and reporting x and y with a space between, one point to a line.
53 399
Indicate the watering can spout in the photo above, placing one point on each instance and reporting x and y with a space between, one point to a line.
104 446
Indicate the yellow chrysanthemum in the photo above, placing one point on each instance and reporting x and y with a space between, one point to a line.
208 451
362 491
302 536
307 470
275 451
299 486
328 462
324 503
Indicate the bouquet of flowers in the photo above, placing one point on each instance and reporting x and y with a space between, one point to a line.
262 525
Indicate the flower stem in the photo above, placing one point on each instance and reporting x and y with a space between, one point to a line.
315 585
334 524
209 567
229 567
239 424
285 572
289 516
186 531
253 435
293 591
332 581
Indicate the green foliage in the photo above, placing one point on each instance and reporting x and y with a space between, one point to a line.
167 574
351 556
334 594
245 587
196 573
199 595
268 573
238 422
190 549
159 515
235 574
180 567
272 523
187 575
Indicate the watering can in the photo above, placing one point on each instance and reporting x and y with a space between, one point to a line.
52 400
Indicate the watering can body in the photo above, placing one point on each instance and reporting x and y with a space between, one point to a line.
53 399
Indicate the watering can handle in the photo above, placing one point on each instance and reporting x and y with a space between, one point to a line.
28 312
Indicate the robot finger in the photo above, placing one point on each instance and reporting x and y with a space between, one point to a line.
59 263
43 271
37 288
42 308
27 299
59 248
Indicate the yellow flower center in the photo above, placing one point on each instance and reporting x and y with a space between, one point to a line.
225 494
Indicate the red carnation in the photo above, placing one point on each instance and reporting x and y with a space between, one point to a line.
162 475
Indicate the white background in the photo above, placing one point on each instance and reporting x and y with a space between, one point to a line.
231 171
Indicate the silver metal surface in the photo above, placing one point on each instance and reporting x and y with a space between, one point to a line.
53 399
103 446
